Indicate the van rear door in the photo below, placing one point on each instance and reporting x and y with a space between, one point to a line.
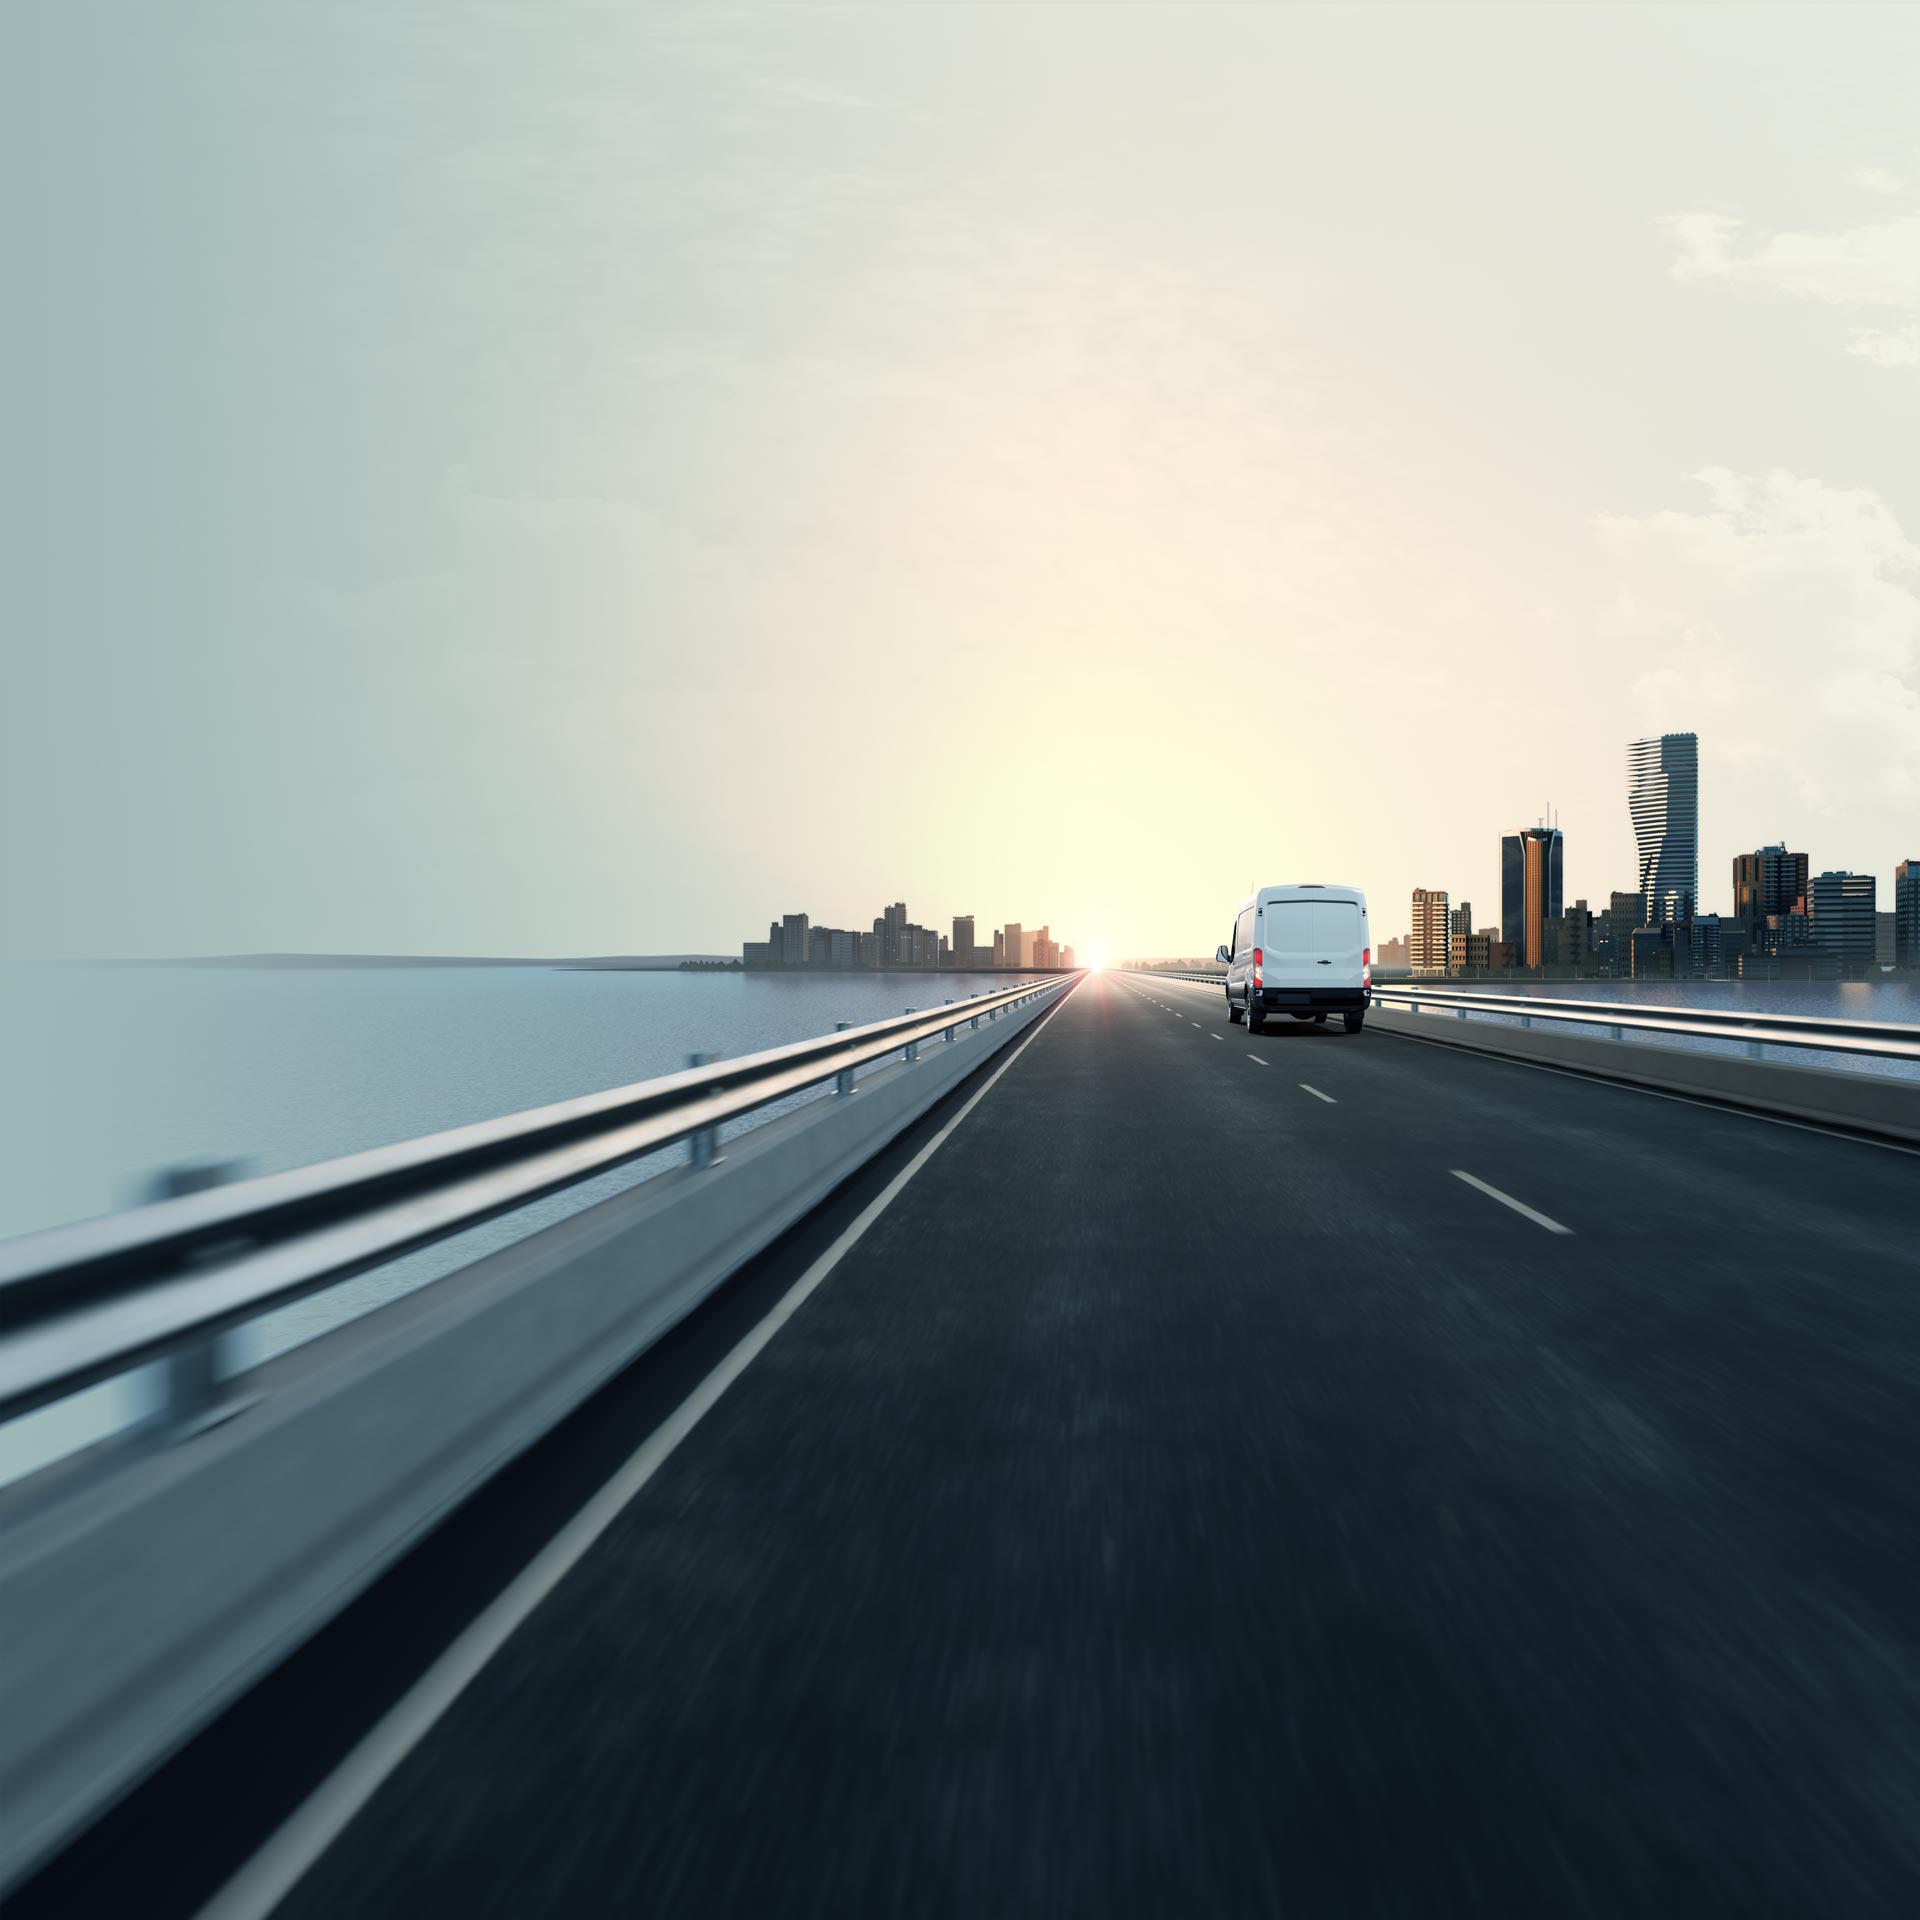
1312 943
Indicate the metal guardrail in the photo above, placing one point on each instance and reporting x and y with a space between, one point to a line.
1879 1039
83 1303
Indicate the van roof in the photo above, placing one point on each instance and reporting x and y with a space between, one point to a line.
1286 889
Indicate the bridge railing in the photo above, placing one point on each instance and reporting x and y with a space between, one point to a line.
1879 1039
146 1582
87 1302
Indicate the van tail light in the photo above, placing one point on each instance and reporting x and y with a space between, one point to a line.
1256 966
1366 966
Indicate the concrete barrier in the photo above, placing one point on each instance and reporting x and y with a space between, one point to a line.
1881 1106
142 1589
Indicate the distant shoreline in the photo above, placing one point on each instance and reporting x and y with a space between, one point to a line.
254 962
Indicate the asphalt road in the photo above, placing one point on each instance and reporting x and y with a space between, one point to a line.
1192 1496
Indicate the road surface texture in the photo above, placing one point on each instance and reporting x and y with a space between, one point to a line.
1193 1496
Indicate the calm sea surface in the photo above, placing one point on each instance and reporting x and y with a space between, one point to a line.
110 1074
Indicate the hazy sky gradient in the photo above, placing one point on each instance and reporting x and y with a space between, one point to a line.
532 479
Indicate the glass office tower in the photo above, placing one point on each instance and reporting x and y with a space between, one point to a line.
1529 891
1663 796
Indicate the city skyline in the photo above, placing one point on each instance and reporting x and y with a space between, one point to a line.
896 942
1783 914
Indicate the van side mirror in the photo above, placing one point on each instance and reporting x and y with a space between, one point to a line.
1223 956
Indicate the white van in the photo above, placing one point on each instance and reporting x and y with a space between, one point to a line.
1303 951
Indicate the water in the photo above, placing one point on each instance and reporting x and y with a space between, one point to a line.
110 1074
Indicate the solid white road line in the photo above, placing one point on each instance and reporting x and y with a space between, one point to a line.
1507 1200
1257 1061
281 1862
1318 1095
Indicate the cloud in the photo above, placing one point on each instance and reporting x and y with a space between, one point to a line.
1875 265
1782 619
1899 348
1876 180
1872 266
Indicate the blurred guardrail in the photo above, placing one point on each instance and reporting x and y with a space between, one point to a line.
1882 1039
147 1582
1860 1076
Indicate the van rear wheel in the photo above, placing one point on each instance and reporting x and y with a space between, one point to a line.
1233 1012
1256 1020
1352 1021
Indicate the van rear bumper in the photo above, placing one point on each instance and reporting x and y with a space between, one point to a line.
1311 999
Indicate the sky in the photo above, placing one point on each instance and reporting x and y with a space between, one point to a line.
549 479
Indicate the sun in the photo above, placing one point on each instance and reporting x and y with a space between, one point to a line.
1099 957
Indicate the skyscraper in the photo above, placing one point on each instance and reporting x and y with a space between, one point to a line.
1906 914
963 940
1769 880
794 941
1663 796
1843 909
1427 941
899 948
1529 890
1016 947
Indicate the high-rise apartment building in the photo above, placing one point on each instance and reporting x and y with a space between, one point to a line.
962 940
1663 797
1906 914
1843 910
1613 931
1427 937
794 941
1016 945
1529 890
999 949
1459 933
1768 881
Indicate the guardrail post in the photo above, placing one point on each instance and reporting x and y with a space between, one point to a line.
1526 1019
191 1400
974 1026
843 1080
704 1146
1616 1033
1756 1050
913 1047
953 1033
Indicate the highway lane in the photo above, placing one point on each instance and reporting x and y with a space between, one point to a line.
1191 1495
